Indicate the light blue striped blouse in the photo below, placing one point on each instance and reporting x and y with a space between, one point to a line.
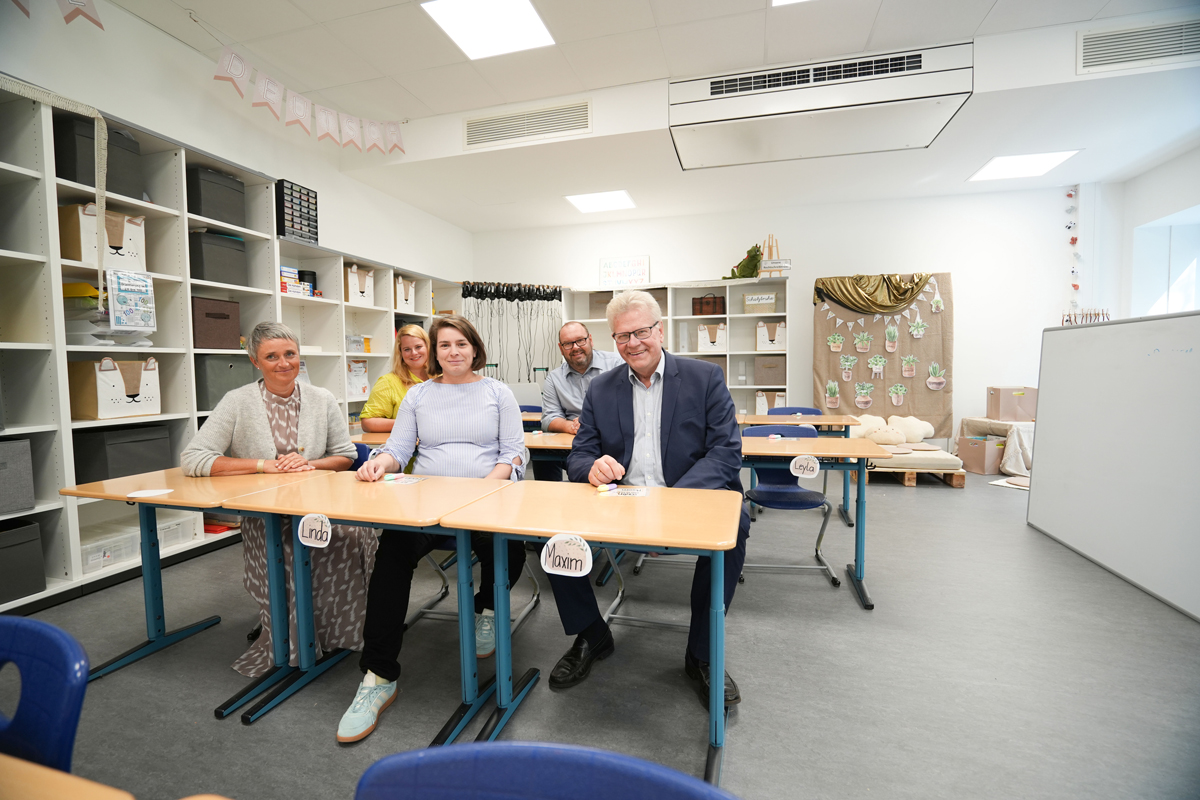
465 429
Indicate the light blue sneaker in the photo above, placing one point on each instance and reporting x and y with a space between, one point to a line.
374 695
485 635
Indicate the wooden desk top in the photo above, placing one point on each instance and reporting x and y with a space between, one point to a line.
24 780
698 519
188 492
549 441
825 447
371 439
342 496
530 416
822 421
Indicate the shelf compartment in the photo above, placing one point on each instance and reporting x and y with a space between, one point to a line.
78 424
79 271
196 221
13 258
150 351
29 380
229 288
24 346
300 299
70 192
41 508
22 430
11 173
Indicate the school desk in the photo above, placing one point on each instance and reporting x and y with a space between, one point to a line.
24 780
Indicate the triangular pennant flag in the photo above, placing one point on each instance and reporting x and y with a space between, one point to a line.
268 94
72 9
299 111
351 131
906 314
327 124
914 307
839 324
860 321
232 68
391 132
830 316
825 307
877 316
849 326
373 135
920 297
21 4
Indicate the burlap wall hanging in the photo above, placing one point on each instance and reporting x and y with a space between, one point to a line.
884 345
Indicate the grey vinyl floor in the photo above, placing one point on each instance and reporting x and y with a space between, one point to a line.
996 664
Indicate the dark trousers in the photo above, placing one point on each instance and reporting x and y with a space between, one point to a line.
577 606
548 470
391 584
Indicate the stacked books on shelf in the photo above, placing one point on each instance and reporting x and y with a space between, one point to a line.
290 283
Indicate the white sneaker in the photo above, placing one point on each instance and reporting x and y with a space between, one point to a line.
485 634
374 695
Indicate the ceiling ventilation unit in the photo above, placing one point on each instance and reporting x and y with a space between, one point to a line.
1150 46
892 101
527 126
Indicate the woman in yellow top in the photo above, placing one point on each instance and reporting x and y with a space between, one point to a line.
410 364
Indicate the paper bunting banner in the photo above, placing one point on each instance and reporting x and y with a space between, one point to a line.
351 131
299 111
877 316
920 297
914 307
21 4
825 307
861 323
887 320
327 124
73 9
849 326
391 132
235 69
373 135
839 324
830 316
268 94
906 314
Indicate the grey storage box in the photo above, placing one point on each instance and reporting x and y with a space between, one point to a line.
16 476
217 258
22 572
75 157
216 375
216 196
101 455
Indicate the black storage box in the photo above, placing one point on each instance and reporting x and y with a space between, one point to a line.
75 157
218 258
216 375
101 455
22 572
216 196
16 476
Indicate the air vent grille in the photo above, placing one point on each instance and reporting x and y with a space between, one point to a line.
821 74
1139 46
540 123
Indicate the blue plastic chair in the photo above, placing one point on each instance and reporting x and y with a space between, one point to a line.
529 770
790 410
364 454
777 488
54 674
531 409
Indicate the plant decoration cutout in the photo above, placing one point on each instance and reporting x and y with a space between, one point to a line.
908 366
937 305
897 393
835 341
862 394
937 377
877 363
891 338
832 400
862 341
847 363
917 328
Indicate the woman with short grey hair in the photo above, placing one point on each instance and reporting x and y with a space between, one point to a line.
278 424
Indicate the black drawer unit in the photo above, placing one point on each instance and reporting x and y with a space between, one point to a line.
75 157
108 453
295 212
216 195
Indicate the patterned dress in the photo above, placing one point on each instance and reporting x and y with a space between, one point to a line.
340 572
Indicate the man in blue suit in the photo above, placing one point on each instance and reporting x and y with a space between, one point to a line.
662 421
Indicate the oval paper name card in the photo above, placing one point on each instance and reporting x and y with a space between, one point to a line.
806 466
567 554
315 530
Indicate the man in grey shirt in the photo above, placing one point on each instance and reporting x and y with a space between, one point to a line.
566 386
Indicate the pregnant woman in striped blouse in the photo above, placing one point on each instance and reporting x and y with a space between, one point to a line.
469 426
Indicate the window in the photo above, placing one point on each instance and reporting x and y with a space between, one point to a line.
1165 265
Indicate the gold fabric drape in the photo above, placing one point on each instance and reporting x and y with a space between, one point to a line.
871 294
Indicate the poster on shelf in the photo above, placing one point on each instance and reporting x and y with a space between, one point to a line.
358 387
624 272
130 301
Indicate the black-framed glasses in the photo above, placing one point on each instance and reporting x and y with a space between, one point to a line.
574 344
640 333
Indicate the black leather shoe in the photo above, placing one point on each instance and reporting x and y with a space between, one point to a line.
698 671
576 664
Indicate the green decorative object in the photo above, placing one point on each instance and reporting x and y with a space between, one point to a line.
748 266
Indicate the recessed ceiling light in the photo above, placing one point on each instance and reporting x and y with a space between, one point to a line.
602 201
786 2
1030 166
483 28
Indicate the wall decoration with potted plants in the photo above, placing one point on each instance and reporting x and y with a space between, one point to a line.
832 399
835 341
877 363
937 377
917 328
862 341
908 366
897 393
847 363
862 394
891 338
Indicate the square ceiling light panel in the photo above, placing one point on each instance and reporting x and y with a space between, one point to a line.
483 28
786 2
1031 166
602 201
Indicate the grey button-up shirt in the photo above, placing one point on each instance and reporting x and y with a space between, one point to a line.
645 465
564 390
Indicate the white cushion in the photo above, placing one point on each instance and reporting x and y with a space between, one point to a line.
868 424
921 459
914 429
886 436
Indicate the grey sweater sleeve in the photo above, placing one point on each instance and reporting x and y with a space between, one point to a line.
212 441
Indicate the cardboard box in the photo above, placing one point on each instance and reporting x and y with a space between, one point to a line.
981 456
770 370
359 286
758 303
126 237
109 389
765 401
216 324
712 338
406 295
771 336
1012 403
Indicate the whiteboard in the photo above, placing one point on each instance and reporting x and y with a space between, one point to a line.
1116 473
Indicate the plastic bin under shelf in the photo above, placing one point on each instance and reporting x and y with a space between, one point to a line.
115 542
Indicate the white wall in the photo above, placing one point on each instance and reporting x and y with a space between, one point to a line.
135 72
1007 254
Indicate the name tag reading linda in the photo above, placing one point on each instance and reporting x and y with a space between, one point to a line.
567 554
805 466
626 491
315 530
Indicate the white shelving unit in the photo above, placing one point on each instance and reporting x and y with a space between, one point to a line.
33 349
737 362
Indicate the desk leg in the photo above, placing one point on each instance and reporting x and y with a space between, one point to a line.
856 572
157 636
716 669
472 698
844 508
506 703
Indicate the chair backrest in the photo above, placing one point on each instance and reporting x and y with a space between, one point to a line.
531 409
786 431
503 770
54 674
789 410
364 454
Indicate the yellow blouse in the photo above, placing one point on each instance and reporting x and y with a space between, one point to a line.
386 396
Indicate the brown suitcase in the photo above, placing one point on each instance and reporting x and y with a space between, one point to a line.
708 305
216 324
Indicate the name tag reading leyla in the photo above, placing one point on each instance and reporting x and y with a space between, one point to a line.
567 554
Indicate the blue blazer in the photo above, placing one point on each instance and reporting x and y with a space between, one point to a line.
701 444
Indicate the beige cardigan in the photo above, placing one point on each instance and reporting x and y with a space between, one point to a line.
239 428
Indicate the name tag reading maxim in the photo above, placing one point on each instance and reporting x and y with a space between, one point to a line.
315 530
805 466
567 554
